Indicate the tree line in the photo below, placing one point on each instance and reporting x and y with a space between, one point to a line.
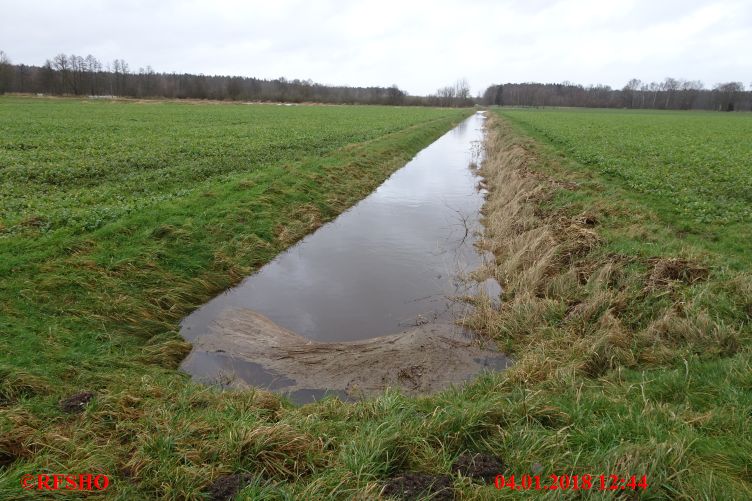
671 94
87 76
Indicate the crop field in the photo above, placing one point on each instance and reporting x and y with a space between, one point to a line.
694 169
78 165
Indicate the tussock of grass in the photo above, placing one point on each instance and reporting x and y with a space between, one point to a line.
568 302
17 383
166 350
575 312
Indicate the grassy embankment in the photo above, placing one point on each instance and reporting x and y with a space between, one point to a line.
627 310
116 219
622 240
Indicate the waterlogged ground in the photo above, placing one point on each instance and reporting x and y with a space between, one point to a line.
394 263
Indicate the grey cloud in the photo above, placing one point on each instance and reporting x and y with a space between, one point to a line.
417 45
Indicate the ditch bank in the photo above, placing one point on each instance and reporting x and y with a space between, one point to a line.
573 306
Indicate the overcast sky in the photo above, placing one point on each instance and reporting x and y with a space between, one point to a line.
417 45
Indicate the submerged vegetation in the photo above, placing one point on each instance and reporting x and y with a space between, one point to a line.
628 316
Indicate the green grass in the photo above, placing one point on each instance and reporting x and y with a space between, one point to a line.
692 169
136 213
119 218
673 394
78 165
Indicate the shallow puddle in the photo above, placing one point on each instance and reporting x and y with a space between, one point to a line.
390 265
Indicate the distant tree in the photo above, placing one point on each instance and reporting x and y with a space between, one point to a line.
93 68
394 95
119 77
77 73
48 78
22 77
689 90
630 92
5 72
462 89
457 94
62 66
727 95
669 86
234 88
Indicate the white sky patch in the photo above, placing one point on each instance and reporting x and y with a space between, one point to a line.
418 45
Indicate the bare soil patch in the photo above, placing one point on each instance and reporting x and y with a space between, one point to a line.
420 486
480 466
76 403
226 487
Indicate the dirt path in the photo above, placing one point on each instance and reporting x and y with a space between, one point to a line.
420 360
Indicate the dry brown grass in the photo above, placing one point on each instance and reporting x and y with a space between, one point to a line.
304 219
16 383
17 443
566 307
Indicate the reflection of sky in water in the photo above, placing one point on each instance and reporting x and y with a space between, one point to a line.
379 265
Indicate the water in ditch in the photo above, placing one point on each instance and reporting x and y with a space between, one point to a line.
394 261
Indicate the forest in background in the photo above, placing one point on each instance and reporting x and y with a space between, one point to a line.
87 76
671 94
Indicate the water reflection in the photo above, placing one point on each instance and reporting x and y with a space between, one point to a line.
390 261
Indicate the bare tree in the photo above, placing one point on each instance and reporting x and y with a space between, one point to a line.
689 90
5 72
61 64
78 72
727 95
669 86
457 94
93 67
630 91
462 89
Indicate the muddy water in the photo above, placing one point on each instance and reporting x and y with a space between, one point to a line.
394 261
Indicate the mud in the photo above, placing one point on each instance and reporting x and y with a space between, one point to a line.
419 486
226 488
419 360
76 403
479 466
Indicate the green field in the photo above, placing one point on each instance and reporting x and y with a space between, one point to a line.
693 169
631 347
118 218
632 339
78 165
